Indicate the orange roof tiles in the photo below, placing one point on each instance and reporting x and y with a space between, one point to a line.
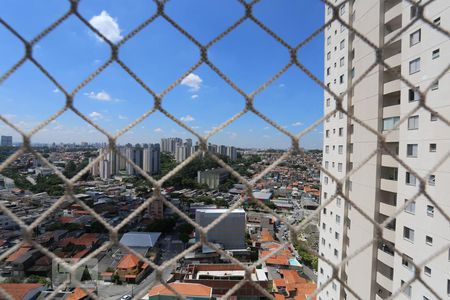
279 296
266 236
78 294
15 255
275 259
128 262
19 290
185 289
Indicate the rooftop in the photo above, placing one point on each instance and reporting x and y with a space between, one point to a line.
185 289
140 239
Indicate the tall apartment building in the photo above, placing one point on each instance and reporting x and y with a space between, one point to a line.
381 186
168 145
151 158
6 141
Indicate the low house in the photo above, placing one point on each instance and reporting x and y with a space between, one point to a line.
22 291
140 242
192 291
131 269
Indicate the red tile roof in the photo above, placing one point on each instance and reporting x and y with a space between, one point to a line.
78 294
19 290
185 289
15 255
128 262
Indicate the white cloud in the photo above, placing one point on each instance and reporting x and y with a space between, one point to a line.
192 81
100 96
266 128
195 96
96 115
195 127
187 118
122 117
55 91
158 130
281 85
296 124
107 26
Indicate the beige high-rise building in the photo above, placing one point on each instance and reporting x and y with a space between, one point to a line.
382 185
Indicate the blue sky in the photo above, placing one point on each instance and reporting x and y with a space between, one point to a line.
159 55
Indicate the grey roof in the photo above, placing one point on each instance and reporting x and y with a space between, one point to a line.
140 239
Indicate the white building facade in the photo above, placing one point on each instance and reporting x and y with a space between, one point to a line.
382 185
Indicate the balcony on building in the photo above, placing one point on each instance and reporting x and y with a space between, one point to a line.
391 81
386 252
392 9
391 29
389 229
385 274
388 203
382 293
389 177
386 158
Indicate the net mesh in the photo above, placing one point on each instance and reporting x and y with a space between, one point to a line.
294 62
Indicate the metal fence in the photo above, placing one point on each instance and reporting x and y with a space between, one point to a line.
27 230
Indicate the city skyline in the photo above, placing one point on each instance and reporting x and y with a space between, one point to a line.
202 100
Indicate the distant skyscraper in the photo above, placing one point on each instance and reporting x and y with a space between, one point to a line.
231 153
151 158
105 169
168 145
6 141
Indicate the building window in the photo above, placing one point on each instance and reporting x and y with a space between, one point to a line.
433 117
336 235
435 54
326 164
414 38
341 79
338 219
352 72
432 180
390 123
329 40
408 233
327 149
407 290
341 62
414 66
429 240
430 210
339 167
433 147
411 207
340 149
341 115
341 131
448 286
410 179
342 9
427 271
435 85
325 179
413 95
328 55
342 45
328 102
411 150
324 225
437 21
414 11
329 10
407 262
342 28
413 123
338 202
328 71
327 133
